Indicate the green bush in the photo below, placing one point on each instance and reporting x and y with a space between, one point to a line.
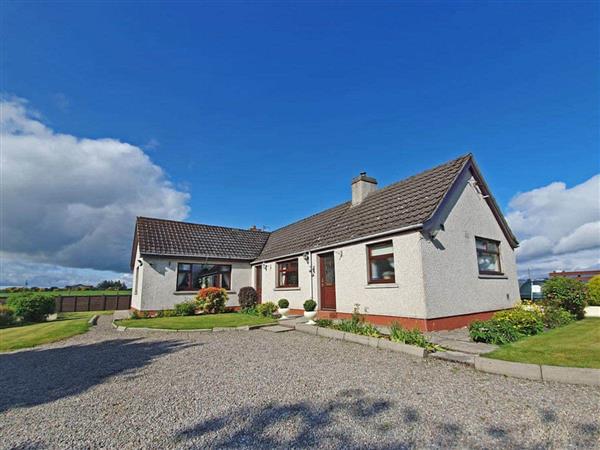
7 316
32 307
212 300
325 323
247 297
266 309
556 317
494 332
310 305
568 294
252 311
283 303
524 321
348 326
169 313
368 329
185 308
594 289
410 337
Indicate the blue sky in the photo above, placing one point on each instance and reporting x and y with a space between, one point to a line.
263 112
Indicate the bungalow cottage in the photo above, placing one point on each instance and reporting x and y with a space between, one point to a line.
432 251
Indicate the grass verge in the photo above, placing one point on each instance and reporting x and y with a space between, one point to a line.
30 335
197 322
574 345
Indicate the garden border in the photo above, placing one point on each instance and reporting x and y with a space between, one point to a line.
374 342
194 330
539 372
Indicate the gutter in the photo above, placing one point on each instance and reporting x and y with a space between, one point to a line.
338 244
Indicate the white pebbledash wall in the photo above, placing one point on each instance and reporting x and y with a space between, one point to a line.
452 282
434 278
158 278
405 297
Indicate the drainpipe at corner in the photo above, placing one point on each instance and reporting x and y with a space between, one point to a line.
312 273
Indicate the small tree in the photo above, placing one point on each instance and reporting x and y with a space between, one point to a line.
247 297
594 288
32 307
212 300
568 294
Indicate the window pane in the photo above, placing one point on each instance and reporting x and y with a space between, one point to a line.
382 250
480 244
382 268
492 246
488 262
185 266
287 274
183 280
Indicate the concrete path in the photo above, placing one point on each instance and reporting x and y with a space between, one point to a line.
459 341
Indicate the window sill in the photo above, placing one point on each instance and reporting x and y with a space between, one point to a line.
287 289
196 292
381 285
489 276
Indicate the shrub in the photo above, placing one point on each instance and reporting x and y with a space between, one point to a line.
169 313
568 294
525 321
410 337
212 300
325 323
252 311
283 303
310 305
556 317
32 307
348 326
247 297
368 329
493 332
7 316
266 309
185 308
594 289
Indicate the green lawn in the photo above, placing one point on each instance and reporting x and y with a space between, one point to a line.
72 293
197 322
574 345
67 325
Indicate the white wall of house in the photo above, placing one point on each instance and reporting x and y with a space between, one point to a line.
452 282
402 298
159 281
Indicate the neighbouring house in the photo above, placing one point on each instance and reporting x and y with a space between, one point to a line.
432 251
581 275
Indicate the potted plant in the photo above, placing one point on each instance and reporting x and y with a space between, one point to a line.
283 308
309 311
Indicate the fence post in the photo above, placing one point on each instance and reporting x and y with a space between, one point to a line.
104 303
89 303
61 303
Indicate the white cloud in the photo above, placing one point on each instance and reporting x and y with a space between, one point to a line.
559 227
72 201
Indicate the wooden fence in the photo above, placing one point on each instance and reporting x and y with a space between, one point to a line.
72 303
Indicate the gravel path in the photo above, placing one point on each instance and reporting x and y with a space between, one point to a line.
135 389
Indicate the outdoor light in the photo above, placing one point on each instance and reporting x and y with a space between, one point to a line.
306 256
141 262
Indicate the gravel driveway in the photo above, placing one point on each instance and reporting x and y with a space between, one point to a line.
135 389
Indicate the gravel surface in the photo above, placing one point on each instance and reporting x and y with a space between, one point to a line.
135 389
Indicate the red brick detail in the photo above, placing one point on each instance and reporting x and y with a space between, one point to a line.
440 323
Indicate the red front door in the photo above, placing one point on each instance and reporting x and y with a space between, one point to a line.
258 282
327 276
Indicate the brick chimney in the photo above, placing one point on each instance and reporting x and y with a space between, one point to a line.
362 186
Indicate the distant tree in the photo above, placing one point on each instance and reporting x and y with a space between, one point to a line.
594 288
111 285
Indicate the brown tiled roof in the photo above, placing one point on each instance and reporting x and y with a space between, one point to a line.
408 202
170 238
